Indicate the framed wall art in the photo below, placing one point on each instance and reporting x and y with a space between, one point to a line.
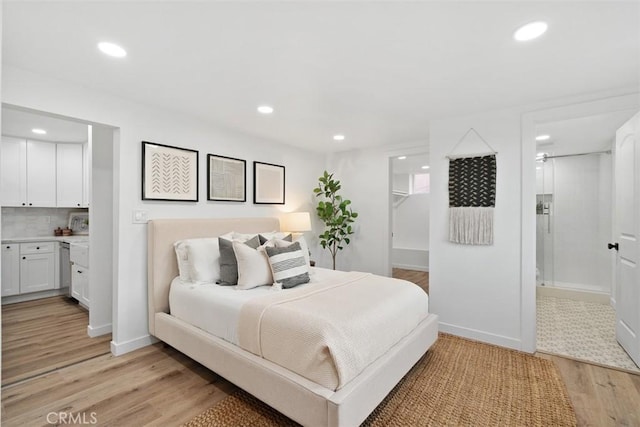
226 179
169 173
268 184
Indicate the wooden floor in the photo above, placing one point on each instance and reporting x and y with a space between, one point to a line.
420 278
157 385
43 335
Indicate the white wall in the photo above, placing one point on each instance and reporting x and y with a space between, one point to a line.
476 289
135 123
366 181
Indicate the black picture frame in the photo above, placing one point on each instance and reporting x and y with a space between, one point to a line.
160 181
268 184
224 179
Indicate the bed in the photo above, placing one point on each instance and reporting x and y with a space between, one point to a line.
303 400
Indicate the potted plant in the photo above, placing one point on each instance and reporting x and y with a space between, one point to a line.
336 214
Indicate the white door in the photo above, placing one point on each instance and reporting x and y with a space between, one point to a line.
627 235
10 269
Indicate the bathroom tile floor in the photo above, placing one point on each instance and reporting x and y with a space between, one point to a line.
582 330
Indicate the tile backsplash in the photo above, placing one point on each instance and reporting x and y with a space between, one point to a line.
34 222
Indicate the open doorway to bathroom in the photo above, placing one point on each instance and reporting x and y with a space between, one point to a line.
410 188
575 293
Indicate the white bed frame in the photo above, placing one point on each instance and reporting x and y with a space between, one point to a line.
304 401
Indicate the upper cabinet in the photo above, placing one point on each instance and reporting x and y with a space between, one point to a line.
41 174
70 175
13 174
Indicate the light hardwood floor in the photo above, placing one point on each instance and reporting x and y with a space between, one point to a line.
420 278
157 385
43 335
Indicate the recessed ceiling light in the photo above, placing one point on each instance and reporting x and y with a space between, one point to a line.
39 131
425 167
402 157
542 137
338 137
530 31
265 109
112 49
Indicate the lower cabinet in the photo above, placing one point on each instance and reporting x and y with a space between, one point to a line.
10 269
29 267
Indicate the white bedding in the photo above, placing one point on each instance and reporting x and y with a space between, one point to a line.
216 309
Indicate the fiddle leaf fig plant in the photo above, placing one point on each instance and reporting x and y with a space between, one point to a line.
336 214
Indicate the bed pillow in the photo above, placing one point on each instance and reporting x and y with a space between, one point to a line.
265 237
303 246
183 260
200 258
253 266
228 261
288 266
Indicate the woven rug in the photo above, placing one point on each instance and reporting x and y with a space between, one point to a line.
457 383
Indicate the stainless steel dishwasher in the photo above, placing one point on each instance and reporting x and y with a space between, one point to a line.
65 267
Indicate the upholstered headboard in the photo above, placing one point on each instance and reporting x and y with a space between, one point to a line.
162 264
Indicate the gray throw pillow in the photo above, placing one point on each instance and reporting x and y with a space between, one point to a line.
288 265
228 261
264 240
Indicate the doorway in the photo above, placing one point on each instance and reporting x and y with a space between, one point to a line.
61 332
574 222
410 202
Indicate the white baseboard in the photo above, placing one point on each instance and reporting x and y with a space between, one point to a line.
34 295
477 335
411 267
573 294
98 330
118 349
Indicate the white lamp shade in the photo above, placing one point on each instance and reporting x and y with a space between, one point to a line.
296 222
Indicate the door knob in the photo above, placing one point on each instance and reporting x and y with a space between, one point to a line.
612 246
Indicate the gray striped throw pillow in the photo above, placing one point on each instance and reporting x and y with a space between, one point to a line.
288 266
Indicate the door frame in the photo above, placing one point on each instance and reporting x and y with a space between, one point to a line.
528 199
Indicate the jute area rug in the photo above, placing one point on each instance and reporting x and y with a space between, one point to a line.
457 383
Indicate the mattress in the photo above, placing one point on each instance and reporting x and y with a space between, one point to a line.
216 309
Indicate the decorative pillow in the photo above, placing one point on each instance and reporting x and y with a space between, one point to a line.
228 262
288 266
198 259
303 247
253 266
276 235
183 260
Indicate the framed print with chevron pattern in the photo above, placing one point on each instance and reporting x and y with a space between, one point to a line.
169 173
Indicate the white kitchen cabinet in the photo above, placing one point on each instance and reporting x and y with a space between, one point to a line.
41 174
79 255
37 272
10 269
69 175
13 172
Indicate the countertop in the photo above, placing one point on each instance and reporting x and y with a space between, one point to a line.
66 239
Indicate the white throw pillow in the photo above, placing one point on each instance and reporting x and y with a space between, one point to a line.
183 260
204 259
303 246
253 266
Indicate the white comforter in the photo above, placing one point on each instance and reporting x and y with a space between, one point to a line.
327 331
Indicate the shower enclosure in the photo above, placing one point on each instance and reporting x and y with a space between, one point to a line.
574 221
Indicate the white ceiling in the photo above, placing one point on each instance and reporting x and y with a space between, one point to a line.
377 72
583 134
20 123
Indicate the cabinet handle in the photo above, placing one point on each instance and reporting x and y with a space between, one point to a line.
24 257
8 247
79 272
78 204
24 204
38 247
30 204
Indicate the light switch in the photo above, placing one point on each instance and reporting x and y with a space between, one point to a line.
140 217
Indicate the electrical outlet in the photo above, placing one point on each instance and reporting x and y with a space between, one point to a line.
140 217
